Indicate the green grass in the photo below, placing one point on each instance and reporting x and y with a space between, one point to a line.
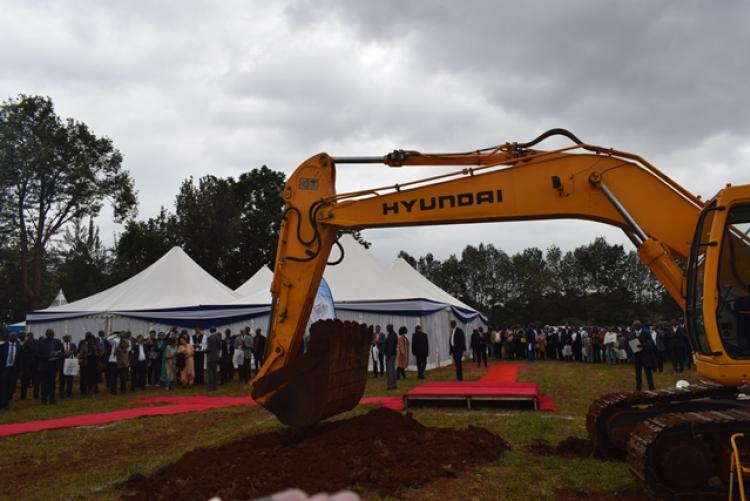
87 463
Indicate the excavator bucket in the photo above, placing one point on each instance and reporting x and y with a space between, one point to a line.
327 380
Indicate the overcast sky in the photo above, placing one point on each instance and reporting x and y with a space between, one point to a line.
193 88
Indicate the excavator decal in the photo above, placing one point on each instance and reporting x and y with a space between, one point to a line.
445 201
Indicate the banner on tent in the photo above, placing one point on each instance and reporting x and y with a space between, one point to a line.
323 308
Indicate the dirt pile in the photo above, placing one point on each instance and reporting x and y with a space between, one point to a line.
380 452
569 447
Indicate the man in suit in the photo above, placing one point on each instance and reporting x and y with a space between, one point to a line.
213 355
380 349
69 350
457 349
10 361
29 373
138 364
658 334
198 345
474 343
48 355
227 352
644 355
420 348
259 348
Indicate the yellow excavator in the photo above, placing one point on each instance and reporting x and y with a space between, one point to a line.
677 439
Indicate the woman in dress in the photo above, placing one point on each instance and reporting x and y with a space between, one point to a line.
187 374
169 363
402 353
88 359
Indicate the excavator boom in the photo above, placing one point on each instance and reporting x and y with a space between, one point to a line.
509 182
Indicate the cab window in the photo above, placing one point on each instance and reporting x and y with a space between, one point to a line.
696 268
733 311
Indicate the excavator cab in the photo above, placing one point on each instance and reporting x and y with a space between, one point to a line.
718 296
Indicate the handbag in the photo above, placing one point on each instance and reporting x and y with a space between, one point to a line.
71 367
238 358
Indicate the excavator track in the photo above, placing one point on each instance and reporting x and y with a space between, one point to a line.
612 417
686 455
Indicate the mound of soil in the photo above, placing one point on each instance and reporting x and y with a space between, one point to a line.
569 447
380 452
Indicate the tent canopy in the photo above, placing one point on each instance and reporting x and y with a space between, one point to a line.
173 282
360 282
60 299
259 282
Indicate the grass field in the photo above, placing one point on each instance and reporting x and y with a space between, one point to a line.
87 463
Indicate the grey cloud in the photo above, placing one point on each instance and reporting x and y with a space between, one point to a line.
197 87
665 73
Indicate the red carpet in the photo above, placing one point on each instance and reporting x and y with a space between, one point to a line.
501 373
498 384
174 405
197 400
499 381
102 418
395 403
546 403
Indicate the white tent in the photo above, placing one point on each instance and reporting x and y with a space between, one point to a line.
172 291
260 282
367 291
60 299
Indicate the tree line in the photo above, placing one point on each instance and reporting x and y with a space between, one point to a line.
598 283
56 175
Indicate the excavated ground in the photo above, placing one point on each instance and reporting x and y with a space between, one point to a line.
380 452
569 447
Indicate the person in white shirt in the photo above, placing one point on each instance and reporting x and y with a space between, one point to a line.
610 347
113 340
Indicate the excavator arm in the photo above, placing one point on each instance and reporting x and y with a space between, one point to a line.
510 182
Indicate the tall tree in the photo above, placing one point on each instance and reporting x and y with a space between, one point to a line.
207 219
84 267
54 172
258 194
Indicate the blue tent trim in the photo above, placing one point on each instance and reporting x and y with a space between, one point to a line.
217 315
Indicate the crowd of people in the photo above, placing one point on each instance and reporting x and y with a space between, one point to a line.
583 344
390 353
48 366
648 347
